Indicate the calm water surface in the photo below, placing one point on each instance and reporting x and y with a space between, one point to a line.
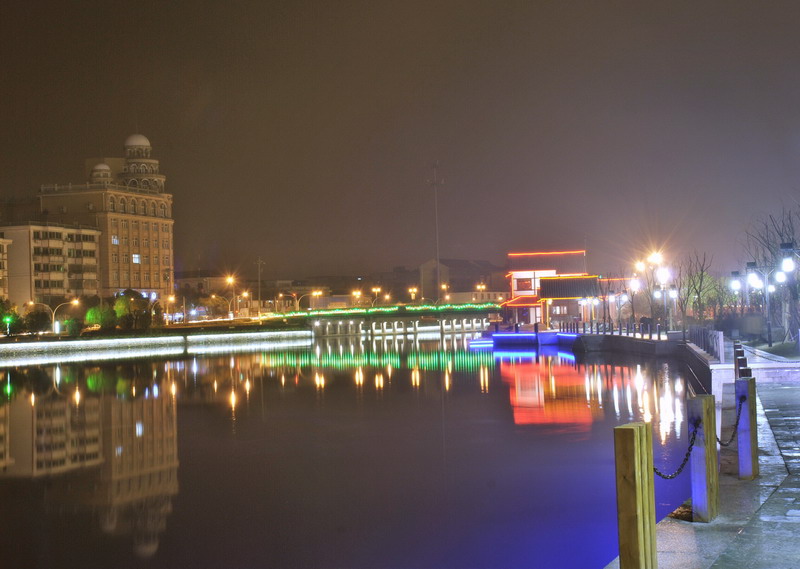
347 455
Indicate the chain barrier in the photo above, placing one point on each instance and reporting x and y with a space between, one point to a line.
685 458
742 399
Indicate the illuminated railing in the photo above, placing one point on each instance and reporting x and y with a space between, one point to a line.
35 353
416 309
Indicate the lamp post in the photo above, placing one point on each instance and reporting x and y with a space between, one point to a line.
231 283
413 292
376 290
298 299
73 302
635 285
736 288
673 294
754 272
662 275
356 297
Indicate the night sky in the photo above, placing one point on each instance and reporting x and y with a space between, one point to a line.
305 133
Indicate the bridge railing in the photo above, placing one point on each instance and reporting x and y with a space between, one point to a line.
708 340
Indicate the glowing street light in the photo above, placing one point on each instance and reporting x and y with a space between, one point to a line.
297 299
413 292
73 302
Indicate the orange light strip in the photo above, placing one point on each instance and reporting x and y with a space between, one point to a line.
575 252
571 277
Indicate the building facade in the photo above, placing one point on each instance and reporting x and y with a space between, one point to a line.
125 199
49 262
4 243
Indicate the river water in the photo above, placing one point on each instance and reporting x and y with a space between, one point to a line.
351 455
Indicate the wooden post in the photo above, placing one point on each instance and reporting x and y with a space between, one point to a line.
636 518
705 476
747 435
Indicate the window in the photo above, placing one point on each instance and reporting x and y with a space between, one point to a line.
556 310
142 208
146 259
135 241
114 258
147 278
166 259
125 241
125 276
165 244
115 222
115 276
132 207
136 277
124 224
115 239
135 225
155 226
136 258
162 210
152 209
165 228
155 243
112 204
126 258
524 284
145 242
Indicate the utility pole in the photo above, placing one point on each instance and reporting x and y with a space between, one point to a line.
435 183
259 263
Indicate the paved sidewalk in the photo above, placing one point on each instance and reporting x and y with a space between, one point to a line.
759 522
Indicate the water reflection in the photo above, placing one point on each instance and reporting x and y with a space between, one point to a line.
100 450
389 453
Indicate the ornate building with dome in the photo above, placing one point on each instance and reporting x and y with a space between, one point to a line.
125 199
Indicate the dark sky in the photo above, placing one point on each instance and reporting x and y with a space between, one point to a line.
305 132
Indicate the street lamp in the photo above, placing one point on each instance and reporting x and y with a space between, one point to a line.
376 290
298 299
356 297
662 275
413 292
635 285
73 302
754 274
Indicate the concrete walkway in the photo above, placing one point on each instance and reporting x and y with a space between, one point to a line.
759 522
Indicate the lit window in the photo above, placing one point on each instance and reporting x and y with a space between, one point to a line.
136 258
115 239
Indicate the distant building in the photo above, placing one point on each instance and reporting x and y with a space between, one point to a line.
50 262
551 286
125 199
458 276
4 243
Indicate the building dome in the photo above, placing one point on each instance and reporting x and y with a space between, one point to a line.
136 140
101 171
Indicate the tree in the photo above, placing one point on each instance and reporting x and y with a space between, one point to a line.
763 245
132 311
103 316
38 321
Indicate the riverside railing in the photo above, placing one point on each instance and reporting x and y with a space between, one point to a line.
708 340
633 450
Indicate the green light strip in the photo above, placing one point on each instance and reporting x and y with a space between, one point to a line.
407 309
459 361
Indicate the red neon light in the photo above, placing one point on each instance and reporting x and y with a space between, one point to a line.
568 276
575 252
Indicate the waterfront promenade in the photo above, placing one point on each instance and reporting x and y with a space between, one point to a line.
759 522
